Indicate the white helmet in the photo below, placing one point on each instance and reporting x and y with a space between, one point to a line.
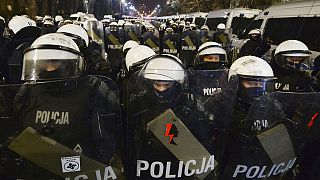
48 17
67 22
255 78
206 44
121 22
1 18
47 23
221 26
138 54
251 66
205 27
164 68
18 22
169 30
52 56
58 18
75 32
254 31
129 44
113 24
211 58
293 55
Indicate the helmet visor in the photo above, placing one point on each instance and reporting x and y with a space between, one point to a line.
251 89
295 61
39 68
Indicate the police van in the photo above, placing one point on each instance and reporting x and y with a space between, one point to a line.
295 20
235 19
197 18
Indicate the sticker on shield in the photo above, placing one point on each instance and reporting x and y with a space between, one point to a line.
70 164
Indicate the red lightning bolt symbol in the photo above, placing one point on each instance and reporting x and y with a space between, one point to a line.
313 119
168 128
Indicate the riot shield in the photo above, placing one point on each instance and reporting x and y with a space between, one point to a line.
189 46
95 30
64 129
179 133
271 136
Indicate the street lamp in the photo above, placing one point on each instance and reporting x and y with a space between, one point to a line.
121 8
86 2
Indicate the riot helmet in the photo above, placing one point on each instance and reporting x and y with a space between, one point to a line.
113 26
169 30
51 57
128 45
166 75
255 78
206 44
193 26
221 27
39 21
2 26
211 57
293 55
254 34
77 33
136 57
18 23
204 28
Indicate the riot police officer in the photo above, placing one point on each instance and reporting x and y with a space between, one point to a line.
130 33
114 44
211 56
150 39
160 91
95 63
291 65
189 46
256 79
255 46
204 35
221 37
170 42
23 32
82 110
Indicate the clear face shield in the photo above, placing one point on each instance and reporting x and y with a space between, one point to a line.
252 88
211 62
166 84
39 66
300 61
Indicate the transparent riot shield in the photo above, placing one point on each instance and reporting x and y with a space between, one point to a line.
179 132
96 31
68 129
271 136
189 48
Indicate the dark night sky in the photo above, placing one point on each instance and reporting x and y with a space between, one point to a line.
151 4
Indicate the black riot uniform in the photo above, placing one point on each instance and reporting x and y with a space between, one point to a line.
189 46
185 122
255 46
170 42
78 114
291 64
87 127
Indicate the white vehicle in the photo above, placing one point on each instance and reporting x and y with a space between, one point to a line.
197 18
235 19
295 20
